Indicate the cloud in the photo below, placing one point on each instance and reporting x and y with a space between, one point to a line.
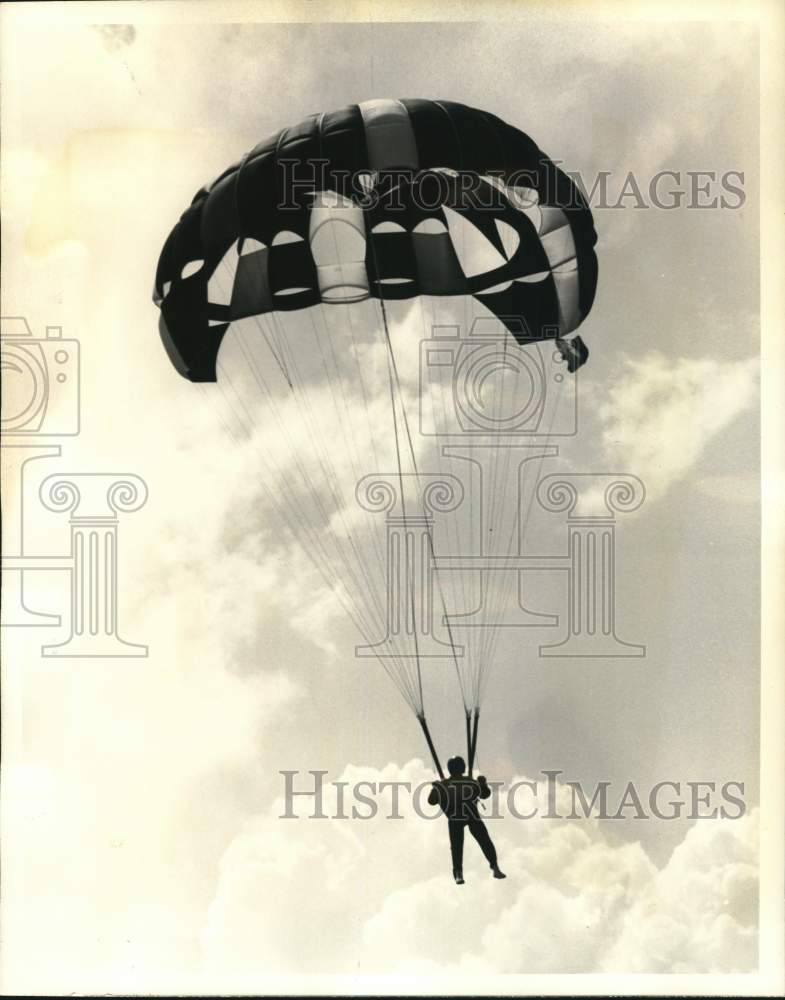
660 414
379 897
699 913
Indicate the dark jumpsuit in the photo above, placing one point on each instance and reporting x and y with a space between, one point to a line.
458 799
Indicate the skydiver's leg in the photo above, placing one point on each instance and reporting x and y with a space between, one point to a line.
456 847
480 833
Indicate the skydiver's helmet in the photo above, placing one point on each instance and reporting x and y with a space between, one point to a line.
456 766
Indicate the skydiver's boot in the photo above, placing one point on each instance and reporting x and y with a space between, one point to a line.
497 872
458 876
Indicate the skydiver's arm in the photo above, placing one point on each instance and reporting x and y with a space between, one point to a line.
435 794
485 790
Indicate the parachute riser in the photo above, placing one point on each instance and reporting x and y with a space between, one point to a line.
469 742
431 747
473 740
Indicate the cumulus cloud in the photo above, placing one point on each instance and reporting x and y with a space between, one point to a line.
377 895
660 414
699 912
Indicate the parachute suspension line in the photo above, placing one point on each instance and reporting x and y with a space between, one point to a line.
293 504
485 516
294 451
360 578
282 479
413 679
525 517
366 585
349 438
498 510
317 553
402 689
495 543
402 660
403 681
282 508
355 355
453 531
347 428
393 367
275 348
392 371
221 417
421 715
455 541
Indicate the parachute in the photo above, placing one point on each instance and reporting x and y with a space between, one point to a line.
373 291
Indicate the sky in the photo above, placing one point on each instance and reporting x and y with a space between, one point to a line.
141 796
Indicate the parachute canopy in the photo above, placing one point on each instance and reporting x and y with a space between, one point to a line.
434 198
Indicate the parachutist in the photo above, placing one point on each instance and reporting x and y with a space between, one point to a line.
274 241
458 797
